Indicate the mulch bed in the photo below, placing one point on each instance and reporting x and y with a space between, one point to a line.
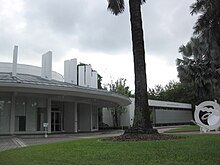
143 137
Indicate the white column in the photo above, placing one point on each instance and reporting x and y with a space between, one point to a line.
91 117
75 118
97 124
49 114
12 117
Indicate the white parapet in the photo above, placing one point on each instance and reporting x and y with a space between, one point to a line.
81 76
70 71
94 80
14 64
85 75
46 71
88 75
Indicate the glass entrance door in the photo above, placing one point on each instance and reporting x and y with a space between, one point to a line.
56 121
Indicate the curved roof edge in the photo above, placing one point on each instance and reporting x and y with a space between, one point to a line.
35 84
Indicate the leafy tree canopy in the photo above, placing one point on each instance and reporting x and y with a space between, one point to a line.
200 63
173 91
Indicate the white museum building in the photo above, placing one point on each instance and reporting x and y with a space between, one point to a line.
162 113
31 96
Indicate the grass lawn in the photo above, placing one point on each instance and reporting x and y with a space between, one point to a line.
195 149
188 128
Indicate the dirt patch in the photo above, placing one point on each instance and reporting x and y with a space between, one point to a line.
143 137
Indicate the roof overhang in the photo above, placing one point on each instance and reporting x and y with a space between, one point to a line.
101 97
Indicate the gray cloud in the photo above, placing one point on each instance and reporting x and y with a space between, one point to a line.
82 24
87 26
168 24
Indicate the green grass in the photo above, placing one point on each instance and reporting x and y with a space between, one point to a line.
188 128
195 149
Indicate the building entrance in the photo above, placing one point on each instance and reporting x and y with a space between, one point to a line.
56 121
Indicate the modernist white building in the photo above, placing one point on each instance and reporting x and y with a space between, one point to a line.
31 96
163 113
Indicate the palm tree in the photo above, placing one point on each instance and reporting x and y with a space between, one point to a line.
196 67
208 23
142 121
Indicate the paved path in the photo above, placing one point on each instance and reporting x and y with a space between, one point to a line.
162 129
11 142
7 143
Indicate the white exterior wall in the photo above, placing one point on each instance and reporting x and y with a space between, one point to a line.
88 75
157 103
69 116
5 114
84 117
70 71
81 76
94 118
172 116
107 117
167 112
94 80
46 71
127 118
14 65
28 69
31 115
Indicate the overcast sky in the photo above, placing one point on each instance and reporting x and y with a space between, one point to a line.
85 30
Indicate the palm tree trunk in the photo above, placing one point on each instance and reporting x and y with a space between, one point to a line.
142 113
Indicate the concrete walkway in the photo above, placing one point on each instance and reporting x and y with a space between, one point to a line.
11 142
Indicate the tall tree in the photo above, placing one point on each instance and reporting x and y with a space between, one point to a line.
207 28
208 23
142 121
196 67
201 55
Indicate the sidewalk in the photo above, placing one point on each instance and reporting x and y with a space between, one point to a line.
6 144
11 142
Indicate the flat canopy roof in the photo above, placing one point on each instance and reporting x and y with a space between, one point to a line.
34 84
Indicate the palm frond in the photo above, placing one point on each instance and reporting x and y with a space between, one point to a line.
116 6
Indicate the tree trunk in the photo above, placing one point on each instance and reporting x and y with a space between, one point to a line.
142 113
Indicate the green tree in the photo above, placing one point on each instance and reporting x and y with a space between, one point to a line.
174 91
199 67
201 55
208 24
142 121
119 87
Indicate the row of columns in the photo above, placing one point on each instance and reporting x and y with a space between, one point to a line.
49 107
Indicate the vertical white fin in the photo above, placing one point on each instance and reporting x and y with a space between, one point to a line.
46 70
14 65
